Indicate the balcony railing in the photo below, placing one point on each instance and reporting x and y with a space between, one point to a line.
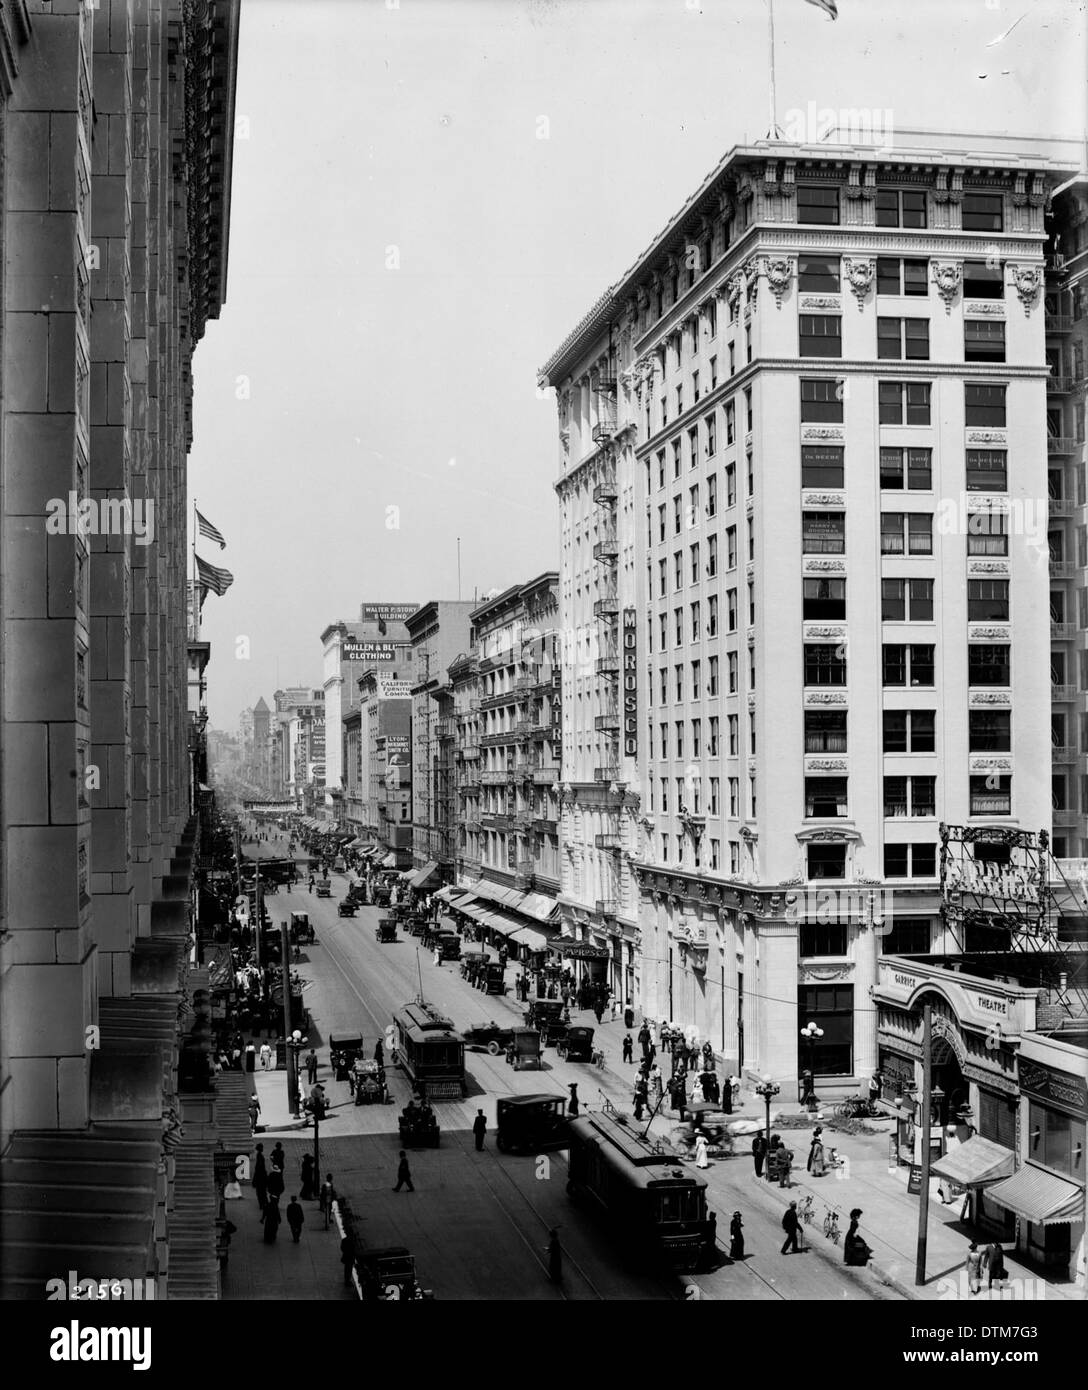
1062 569
608 722
606 607
1063 692
608 665
605 428
1062 632
1062 444
1060 506
604 494
1059 385
606 841
492 821
1062 753
1058 323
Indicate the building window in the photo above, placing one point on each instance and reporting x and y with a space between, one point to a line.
678 672
983 341
730 423
734 734
911 861
825 798
734 797
712 616
693 439
984 405
821 335
823 938
822 466
817 204
712 741
1055 1141
987 470
825 663
906 600
730 547
983 212
712 557
696 676
909 731
983 280
991 795
988 600
909 796
987 533
678 570
906 277
908 665
731 665
899 339
900 207
824 598
825 731
695 623
821 401
713 684
910 469
988 664
694 556
906 938
712 495
711 436
662 578
731 610
730 484
823 533
904 402
989 731
818 274
831 1008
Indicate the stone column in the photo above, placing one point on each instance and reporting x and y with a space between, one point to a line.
730 946
779 1027
865 1030
752 1046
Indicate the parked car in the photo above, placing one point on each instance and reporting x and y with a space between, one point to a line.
577 1045
532 1124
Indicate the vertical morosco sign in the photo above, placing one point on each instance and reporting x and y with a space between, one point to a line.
630 683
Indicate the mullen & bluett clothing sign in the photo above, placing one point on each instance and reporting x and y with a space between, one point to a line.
630 683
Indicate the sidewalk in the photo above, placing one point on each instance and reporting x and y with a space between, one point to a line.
309 1270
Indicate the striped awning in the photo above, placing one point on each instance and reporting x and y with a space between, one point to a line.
534 937
1041 1197
503 922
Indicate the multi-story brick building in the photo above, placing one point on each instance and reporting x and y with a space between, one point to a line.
439 631
803 454
117 124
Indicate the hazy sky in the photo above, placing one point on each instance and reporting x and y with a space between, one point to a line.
352 419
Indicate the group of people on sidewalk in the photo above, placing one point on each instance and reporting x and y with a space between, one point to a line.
269 1183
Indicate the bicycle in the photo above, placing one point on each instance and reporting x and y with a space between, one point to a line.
857 1107
831 1225
805 1209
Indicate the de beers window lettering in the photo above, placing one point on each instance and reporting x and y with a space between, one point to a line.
630 684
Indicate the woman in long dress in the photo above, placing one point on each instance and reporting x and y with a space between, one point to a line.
701 1160
736 1237
271 1220
817 1165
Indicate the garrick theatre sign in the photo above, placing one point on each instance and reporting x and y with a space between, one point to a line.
977 1028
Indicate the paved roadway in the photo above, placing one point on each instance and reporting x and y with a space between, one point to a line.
478 1222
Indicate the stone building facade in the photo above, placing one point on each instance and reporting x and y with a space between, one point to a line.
117 130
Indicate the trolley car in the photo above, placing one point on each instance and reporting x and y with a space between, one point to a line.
431 1052
656 1205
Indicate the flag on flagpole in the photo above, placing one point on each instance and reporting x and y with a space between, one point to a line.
828 6
212 577
207 529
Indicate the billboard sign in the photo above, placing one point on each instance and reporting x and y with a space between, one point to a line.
387 612
389 688
373 653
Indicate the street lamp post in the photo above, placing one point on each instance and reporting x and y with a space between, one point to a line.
768 1091
295 1043
810 1032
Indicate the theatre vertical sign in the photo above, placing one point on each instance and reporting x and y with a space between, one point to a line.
630 683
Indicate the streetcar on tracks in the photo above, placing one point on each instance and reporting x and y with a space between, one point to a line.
653 1203
431 1052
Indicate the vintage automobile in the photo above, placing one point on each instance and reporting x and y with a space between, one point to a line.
492 1036
370 1087
347 908
418 1125
449 943
494 980
576 1046
324 890
523 1049
343 1050
386 930
531 1124
389 1275
551 1016
381 895
301 927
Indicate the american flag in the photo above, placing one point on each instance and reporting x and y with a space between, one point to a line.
207 529
828 6
212 577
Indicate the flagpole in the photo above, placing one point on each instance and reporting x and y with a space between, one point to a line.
774 132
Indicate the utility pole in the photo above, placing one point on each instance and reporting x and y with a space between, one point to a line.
923 1203
289 1048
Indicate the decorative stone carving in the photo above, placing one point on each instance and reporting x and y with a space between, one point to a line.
986 764
989 697
825 697
733 287
984 632
1027 280
809 302
986 437
860 275
779 272
831 432
837 631
983 308
825 764
987 566
823 499
818 566
947 276
823 974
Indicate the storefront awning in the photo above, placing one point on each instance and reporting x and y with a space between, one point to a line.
502 922
539 906
427 874
389 861
533 937
472 909
975 1163
1041 1197
492 892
